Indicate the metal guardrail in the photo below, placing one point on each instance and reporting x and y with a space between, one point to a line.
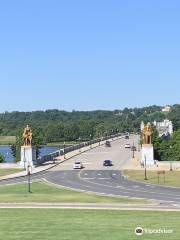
61 152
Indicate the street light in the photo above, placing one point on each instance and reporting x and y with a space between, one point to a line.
133 150
64 150
117 131
90 140
170 161
24 160
145 171
79 144
99 140
29 177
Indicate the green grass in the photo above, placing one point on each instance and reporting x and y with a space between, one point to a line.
44 193
67 224
172 178
7 140
4 172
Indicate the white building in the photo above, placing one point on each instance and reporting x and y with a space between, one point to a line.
164 128
166 109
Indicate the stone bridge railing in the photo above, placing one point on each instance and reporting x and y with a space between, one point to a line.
61 152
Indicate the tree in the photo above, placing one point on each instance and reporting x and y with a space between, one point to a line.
167 150
2 158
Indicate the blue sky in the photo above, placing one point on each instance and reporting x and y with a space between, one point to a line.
86 55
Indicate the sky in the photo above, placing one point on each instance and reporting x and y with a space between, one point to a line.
88 55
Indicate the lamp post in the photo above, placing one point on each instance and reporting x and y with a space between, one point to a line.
145 171
99 140
106 135
64 150
170 166
79 144
24 160
133 149
170 161
117 131
29 177
90 140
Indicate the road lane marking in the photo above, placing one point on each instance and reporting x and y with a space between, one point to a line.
104 178
89 178
133 190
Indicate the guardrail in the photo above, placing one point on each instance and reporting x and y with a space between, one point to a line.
61 152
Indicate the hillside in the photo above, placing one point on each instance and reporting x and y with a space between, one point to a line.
56 125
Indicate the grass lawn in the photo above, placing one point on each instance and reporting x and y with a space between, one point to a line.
172 178
67 224
45 193
4 171
7 140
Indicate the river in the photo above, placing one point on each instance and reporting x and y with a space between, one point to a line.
6 151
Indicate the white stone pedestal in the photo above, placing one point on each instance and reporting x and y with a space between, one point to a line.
147 154
28 156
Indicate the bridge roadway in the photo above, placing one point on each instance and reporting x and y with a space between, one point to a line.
105 180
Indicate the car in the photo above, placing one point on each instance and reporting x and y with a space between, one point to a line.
107 163
108 144
126 137
127 145
78 165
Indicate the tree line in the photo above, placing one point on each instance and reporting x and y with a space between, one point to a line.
58 126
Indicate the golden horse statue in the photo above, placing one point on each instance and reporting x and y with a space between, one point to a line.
147 134
27 136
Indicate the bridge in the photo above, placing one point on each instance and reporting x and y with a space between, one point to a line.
94 177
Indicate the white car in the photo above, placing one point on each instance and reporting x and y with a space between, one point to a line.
127 146
78 165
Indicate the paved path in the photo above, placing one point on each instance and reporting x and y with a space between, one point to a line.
89 206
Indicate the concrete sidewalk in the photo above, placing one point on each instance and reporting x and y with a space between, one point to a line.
48 165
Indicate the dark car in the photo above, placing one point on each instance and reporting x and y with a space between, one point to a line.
126 137
107 163
108 144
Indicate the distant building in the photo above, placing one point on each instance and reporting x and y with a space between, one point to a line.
166 109
164 128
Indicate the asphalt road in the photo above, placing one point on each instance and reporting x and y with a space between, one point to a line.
106 180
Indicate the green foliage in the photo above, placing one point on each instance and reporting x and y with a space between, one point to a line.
2 158
59 126
167 150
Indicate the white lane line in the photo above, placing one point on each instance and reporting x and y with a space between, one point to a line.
89 178
138 190
176 205
94 153
67 164
104 178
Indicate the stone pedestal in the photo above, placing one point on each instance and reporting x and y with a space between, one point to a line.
28 156
147 154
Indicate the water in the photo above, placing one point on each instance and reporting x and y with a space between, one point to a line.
6 151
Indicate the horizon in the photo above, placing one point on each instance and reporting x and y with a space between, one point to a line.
76 110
